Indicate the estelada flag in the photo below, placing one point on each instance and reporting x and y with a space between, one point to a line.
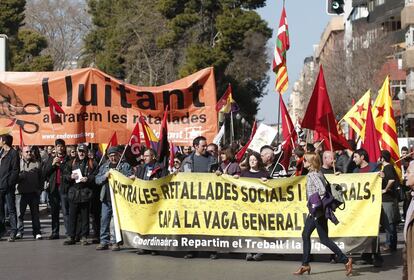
357 115
385 123
55 111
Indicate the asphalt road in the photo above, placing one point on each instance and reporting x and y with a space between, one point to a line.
44 259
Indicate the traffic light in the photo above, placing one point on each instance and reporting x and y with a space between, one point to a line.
335 7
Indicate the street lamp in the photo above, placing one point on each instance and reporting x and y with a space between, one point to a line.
238 117
401 97
243 122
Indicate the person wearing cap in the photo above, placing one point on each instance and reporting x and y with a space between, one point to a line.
54 171
81 175
101 179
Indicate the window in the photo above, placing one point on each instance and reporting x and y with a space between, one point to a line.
395 87
371 6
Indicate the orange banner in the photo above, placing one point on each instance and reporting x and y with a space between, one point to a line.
97 104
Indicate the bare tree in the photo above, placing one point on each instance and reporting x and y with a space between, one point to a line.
64 23
351 71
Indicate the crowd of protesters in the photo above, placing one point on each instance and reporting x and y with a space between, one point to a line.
73 181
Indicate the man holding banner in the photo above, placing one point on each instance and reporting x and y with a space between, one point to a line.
202 162
107 233
150 170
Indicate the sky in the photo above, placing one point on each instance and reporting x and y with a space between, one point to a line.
306 20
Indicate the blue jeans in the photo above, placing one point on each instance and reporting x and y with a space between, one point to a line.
321 226
57 200
8 198
390 228
107 227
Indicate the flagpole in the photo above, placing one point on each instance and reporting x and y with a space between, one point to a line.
231 127
277 162
278 121
330 142
290 132
100 161
122 156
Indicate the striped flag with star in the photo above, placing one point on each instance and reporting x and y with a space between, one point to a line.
357 115
385 123
279 59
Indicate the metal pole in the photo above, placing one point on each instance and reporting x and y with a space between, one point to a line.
231 128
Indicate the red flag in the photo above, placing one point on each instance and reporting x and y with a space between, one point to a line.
163 145
243 150
320 117
371 140
133 150
113 142
172 155
135 137
289 135
21 138
288 130
55 110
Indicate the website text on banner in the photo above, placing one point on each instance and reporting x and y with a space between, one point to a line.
97 104
194 211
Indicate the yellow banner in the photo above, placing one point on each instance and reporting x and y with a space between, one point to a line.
206 206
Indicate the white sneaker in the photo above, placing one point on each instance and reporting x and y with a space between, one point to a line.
39 237
19 235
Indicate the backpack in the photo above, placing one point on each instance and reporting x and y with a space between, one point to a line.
336 191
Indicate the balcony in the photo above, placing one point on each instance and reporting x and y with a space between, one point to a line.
407 16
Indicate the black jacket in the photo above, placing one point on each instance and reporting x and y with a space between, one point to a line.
9 170
158 171
49 173
82 191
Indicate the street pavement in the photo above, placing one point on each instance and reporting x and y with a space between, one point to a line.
45 259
